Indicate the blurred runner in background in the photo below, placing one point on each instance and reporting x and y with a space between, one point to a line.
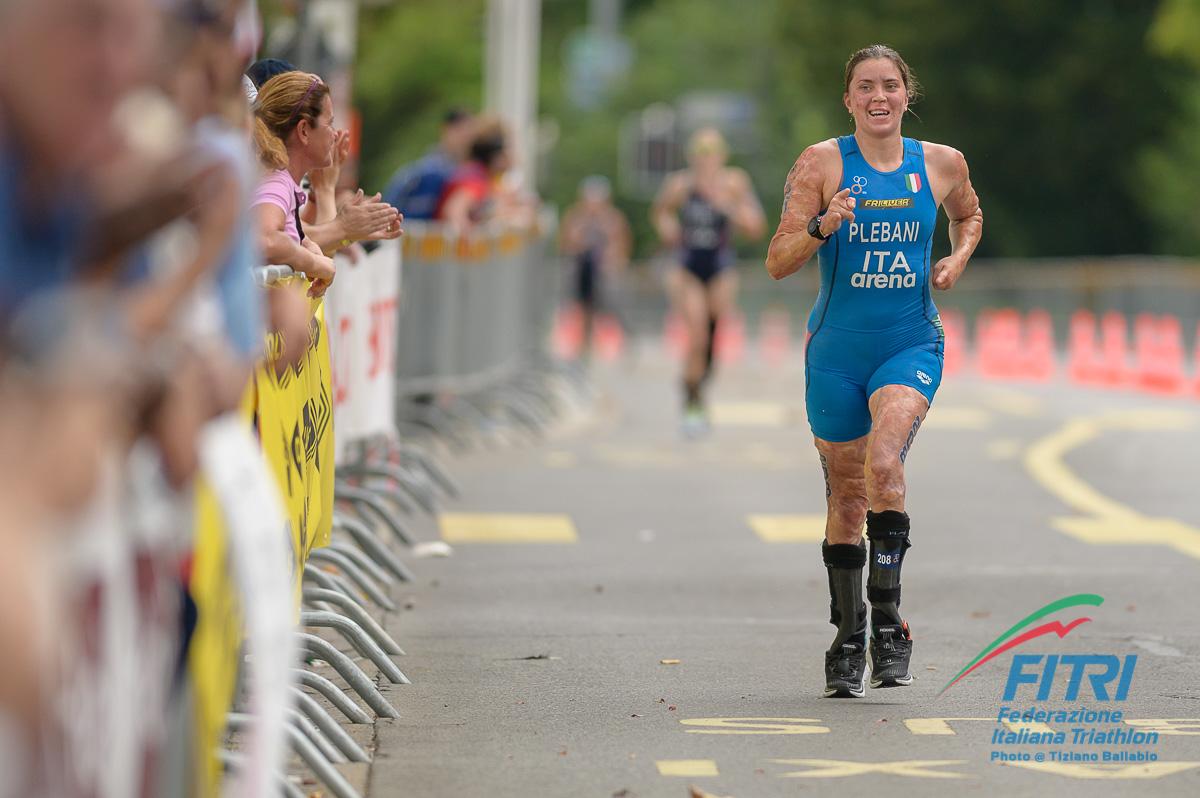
696 214
596 236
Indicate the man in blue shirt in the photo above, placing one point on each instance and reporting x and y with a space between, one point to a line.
416 188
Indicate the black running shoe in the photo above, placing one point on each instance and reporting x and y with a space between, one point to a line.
891 649
844 672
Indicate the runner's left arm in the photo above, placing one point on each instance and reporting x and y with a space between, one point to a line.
966 221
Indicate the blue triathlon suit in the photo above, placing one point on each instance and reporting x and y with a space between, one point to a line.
874 322
707 249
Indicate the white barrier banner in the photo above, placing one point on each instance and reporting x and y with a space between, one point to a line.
249 497
360 310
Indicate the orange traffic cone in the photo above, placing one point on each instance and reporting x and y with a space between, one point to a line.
1038 358
1159 352
1083 354
998 333
1114 355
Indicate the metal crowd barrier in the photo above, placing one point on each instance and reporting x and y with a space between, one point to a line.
475 318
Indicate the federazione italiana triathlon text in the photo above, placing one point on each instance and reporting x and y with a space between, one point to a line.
1093 733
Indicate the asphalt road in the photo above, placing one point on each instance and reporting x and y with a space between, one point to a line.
537 650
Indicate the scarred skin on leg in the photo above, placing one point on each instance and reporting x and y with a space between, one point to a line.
896 413
845 488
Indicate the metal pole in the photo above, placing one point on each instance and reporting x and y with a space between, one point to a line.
510 85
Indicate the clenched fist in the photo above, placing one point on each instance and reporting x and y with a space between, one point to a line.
946 272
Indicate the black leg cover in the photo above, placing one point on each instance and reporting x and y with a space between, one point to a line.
847 612
888 533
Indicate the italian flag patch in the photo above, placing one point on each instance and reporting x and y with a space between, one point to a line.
913 181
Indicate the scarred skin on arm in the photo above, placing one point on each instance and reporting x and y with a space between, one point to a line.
950 181
809 187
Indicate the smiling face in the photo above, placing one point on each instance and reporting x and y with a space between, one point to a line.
877 97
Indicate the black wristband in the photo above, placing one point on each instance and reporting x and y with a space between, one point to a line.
814 229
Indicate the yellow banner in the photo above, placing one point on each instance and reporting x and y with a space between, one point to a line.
216 641
295 423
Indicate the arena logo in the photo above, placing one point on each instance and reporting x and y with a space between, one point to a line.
898 275
1099 672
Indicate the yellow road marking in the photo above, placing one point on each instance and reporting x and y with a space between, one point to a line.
749 414
686 767
836 768
934 725
1140 530
1146 770
506 528
788 528
1107 521
754 726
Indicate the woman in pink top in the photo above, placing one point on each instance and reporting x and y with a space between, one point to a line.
293 133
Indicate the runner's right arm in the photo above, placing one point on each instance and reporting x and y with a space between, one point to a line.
804 194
